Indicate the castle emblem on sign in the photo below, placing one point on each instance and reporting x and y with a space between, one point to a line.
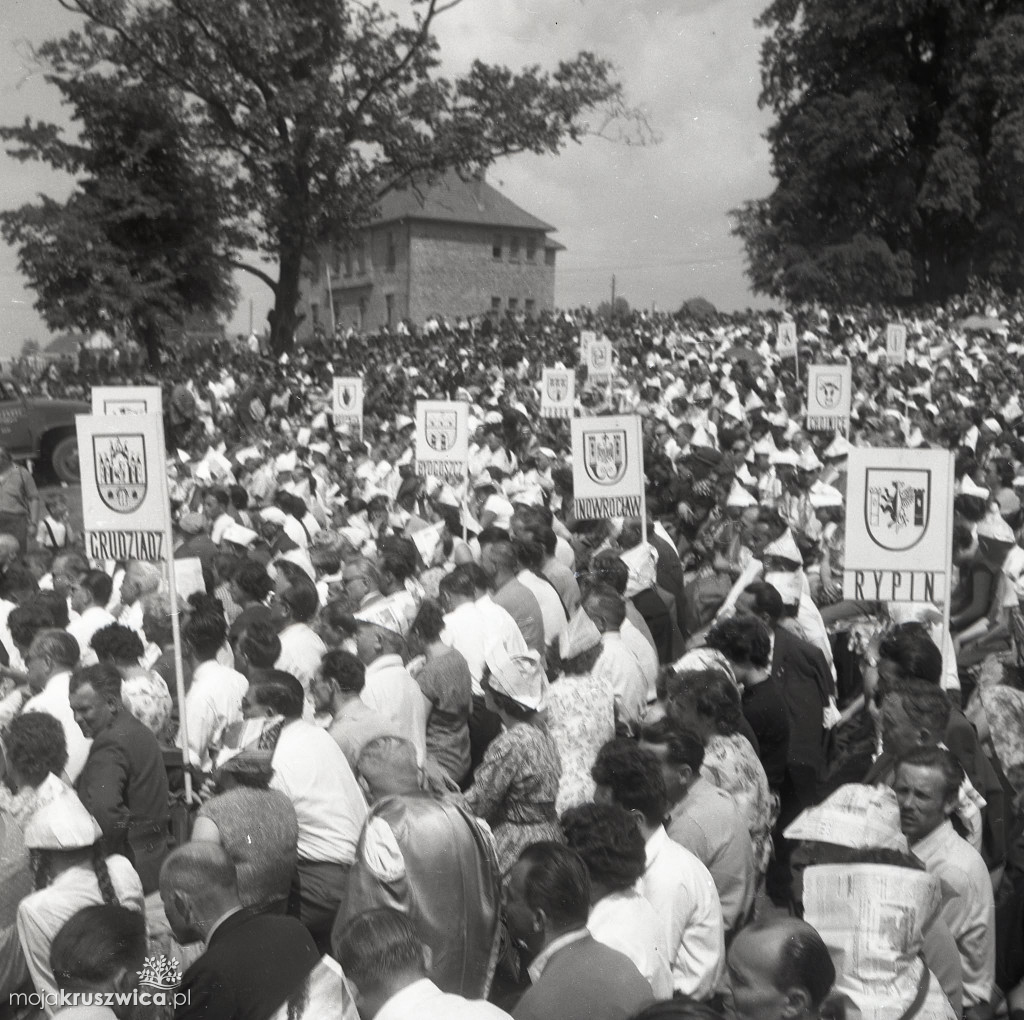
896 507
557 387
120 466
441 429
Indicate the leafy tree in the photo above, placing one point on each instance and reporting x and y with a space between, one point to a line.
138 243
898 148
29 347
619 310
312 110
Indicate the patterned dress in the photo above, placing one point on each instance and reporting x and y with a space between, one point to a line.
515 790
581 719
731 764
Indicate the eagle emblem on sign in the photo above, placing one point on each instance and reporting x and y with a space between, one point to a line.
829 390
441 429
897 506
557 388
120 467
604 456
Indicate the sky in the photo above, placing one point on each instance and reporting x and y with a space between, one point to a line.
655 217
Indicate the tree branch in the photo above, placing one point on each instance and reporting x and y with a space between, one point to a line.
253 271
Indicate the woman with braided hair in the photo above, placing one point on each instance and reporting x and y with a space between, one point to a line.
70 871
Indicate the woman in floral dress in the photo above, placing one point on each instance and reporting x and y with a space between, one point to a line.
516 784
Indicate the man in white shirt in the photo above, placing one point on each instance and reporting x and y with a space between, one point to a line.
926 786
398 988
214 700
531 558
302 649
617 664
389 688
52 656
89 598
675 883
215 508
312 771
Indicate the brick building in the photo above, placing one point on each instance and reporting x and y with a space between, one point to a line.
456 249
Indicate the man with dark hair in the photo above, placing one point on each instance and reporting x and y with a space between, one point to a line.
498 560
89 598
336 690
926 785
214 700
123 784
301 647
780 970
258 648
677 886
216 508
616 664
311 770
644 610
252 961
705 820
574 977
387 965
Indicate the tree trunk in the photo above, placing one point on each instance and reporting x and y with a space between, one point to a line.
284 316
151 337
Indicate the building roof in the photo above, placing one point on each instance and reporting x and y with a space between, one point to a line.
453 200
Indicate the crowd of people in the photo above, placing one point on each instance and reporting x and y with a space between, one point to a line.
455 752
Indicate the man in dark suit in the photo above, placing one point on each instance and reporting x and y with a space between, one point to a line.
574 976
803 678
123 783
253 961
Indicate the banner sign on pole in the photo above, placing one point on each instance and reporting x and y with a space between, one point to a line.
899 516
599 362
829 397
442 438
557 393
587 337
124 483
347 408
607 467
127 400
896 343
785 340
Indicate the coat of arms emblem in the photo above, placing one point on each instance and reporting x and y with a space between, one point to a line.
897 504
348 397
599 356
557 388
441 429
605 458
120 466
829 390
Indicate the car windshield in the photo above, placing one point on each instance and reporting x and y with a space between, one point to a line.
9 390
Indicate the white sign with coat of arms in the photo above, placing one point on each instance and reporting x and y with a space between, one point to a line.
347 407
599 362
607 467
899 525
124 486
557 393
127 400
829 397
896 343
442 438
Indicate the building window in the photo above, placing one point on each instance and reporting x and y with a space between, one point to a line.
513 248
549 256
361 257
391 258
496 247
314 311
531 249
531 306
495 306
389 309
336 260
362 313
348 260
513 305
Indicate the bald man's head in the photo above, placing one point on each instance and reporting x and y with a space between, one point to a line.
780 970
388 767
198 885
